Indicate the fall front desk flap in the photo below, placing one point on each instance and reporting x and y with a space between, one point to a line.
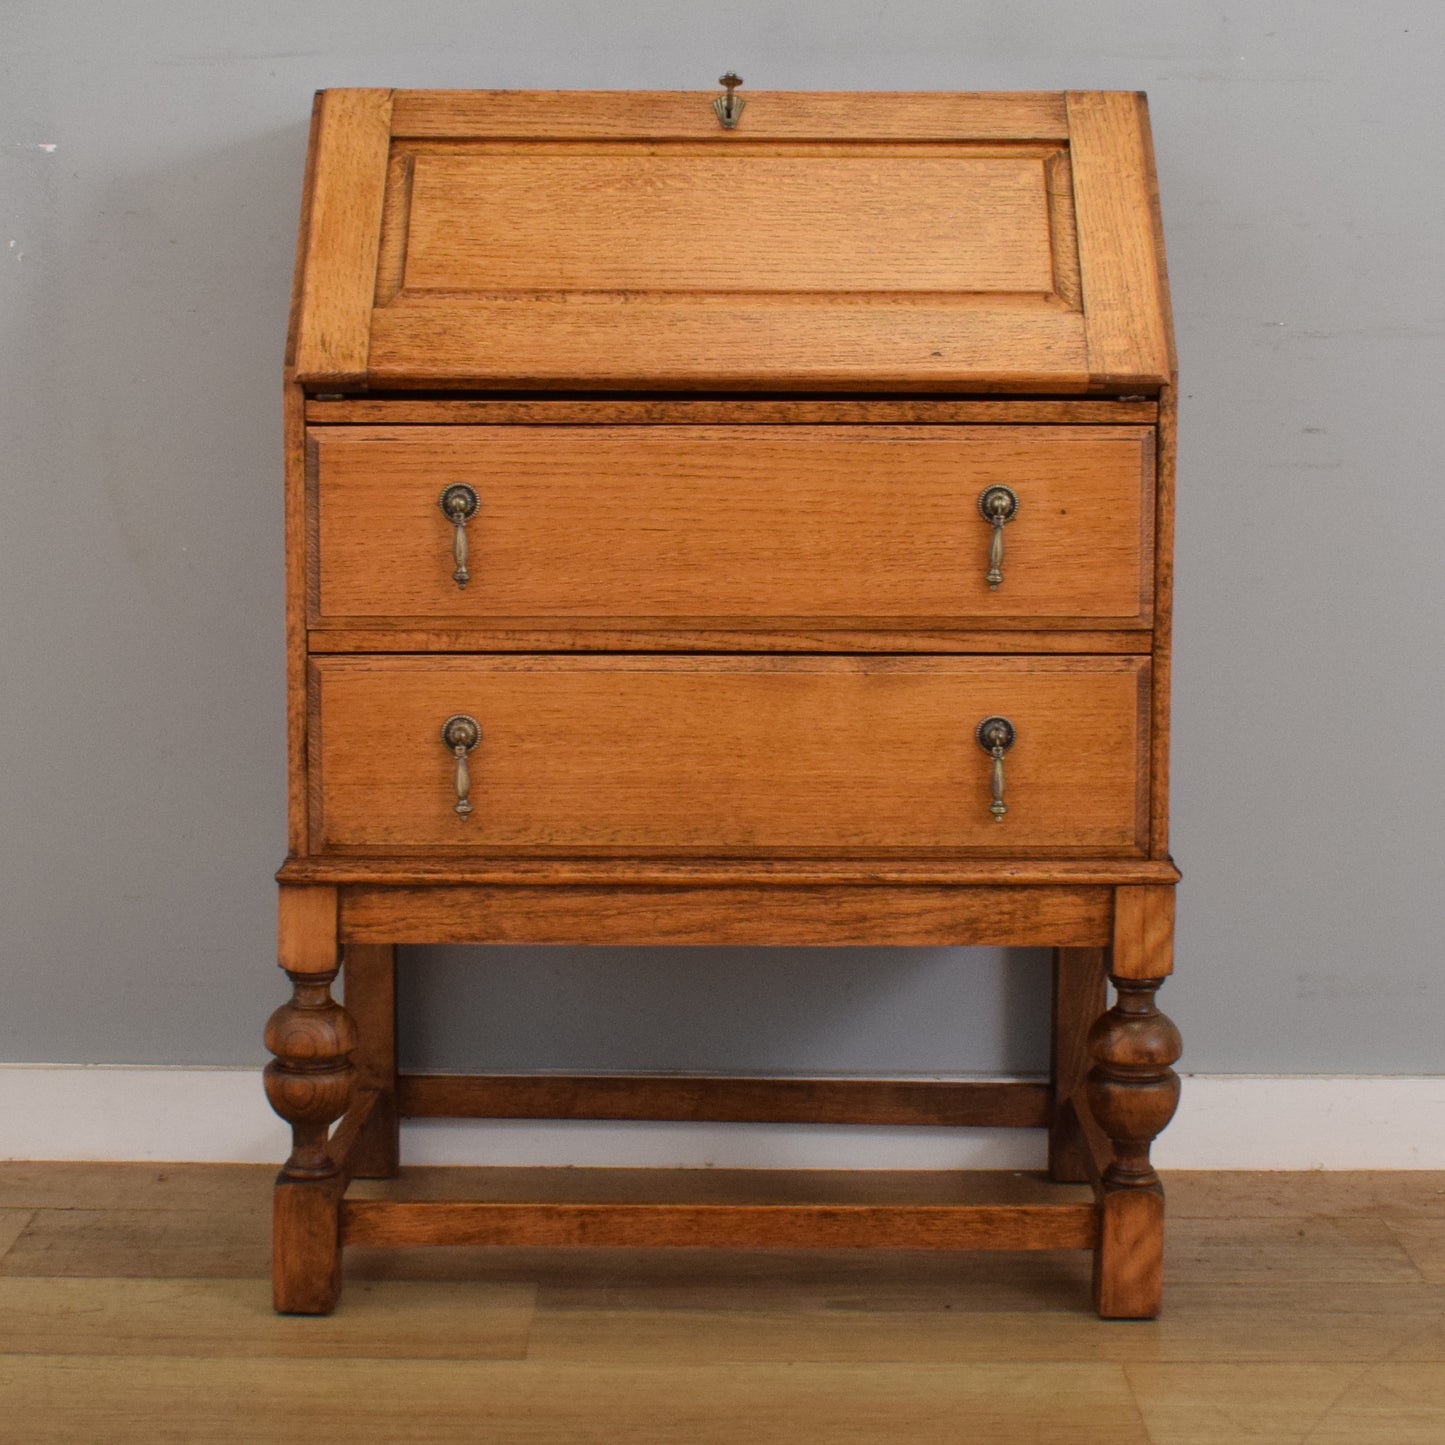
615 240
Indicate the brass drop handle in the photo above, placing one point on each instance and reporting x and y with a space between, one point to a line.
459 503
995 736
997 505
461 734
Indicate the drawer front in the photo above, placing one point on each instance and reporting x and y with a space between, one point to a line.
658 527
729 755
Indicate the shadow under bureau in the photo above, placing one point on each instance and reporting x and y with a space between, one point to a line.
734 523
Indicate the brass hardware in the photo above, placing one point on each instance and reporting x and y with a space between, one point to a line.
997 505
461 734
995 736
459 503
729 108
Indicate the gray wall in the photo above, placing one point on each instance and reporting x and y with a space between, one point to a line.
153 159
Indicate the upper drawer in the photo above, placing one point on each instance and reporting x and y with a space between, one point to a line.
626 240
739 527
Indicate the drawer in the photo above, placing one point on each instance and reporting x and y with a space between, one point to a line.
729 755
758 527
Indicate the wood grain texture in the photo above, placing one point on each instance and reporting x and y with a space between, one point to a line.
303 238
645 222
1124 309
1079 997
1129 1260
1143 944
726 1100
387 636
534 265
722 1226
684 526
458 1402
306 1245
1163 644
728 755
229 1318
306 928
739 411
725 873
831 916
688 115
298 549
369 980
229 1240
348 181
1293 1314
660 344
13 1223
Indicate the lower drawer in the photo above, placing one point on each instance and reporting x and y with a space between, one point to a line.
728 755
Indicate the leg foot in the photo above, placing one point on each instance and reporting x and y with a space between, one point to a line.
306 1246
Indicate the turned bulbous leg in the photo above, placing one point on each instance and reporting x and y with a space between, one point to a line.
309 1081
1131 1092
1131 1088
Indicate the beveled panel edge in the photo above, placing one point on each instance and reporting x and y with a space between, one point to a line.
563 411
1130 638
1001 666
768 115
393 871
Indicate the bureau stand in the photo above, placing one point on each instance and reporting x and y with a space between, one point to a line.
737 519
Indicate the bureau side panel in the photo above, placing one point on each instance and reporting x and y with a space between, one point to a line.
1163 624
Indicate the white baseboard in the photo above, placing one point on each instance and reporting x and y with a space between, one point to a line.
1225 1121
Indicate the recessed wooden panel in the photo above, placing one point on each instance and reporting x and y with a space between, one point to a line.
743 222
742 755
745 526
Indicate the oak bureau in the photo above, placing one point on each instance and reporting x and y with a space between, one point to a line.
737 519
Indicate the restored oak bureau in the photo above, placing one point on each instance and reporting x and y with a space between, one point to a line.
735 519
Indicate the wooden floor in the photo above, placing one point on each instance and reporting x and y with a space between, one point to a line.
134 1306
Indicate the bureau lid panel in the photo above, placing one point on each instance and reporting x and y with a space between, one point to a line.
617 240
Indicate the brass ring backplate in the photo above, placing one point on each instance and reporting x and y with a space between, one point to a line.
461 731
997 504
994 732
459 501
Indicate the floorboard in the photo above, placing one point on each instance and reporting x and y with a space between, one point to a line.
134 1305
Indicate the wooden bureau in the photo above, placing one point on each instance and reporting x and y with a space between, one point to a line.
728 519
